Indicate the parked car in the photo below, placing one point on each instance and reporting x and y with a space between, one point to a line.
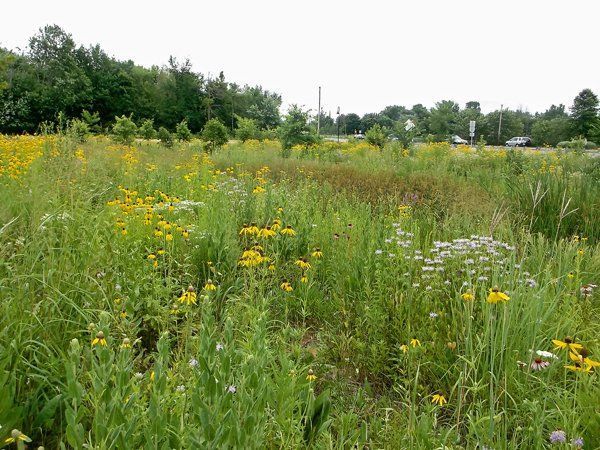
359 136
458 140
520 141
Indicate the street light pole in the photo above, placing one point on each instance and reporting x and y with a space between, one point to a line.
500 124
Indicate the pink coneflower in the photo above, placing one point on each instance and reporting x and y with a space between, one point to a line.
539 364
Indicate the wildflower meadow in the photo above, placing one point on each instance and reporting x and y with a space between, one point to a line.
332 296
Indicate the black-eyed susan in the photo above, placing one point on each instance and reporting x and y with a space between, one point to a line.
188 296
99 339
169 237
160 251
151 256
579 367
158 232
266 232
302 263
582 356
124 231
185 234
288 231
210 286
276 224
317 253
568 344
271 267
286 286
253 229
497 296
415 342
303 279
245 230
468 296
439 399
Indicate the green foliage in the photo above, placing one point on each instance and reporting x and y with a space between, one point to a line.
584 114
377 136
215 134
165 137
79 130
443 120
512 126
247 129
550 131
578 144
124 130
182 131
295 130
92 120
146 129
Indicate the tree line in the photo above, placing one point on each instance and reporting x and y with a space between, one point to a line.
446 118
54 80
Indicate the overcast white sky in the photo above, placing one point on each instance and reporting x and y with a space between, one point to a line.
365 55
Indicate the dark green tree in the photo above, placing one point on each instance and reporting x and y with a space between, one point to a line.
584 114
295 129
215 134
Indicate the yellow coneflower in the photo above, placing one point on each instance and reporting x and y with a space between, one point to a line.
126 343
276 224
311 376
288 231
468 296
439 399
317 253
415 342
99 339
188 296
245 230
302 263
568 344
266 232
579 367
303 279
404 348
253 229
286 286
582 356
496 296
209 286
16 436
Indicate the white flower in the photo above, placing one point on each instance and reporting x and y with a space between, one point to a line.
433 315
378 252
193 362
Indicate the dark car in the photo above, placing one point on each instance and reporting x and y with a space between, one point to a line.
520 141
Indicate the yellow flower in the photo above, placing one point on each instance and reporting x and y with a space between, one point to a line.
571 275
580 252
271 267
286 286
468 296
404 348
16 436
579 367
496 296
582 357
304 279
311 376
126 343
160 251
567 343
245 230
439 399
185 234
317 253
415 342
158 232
169 237
151 256
209 286
266 232
288 231
189 296
99 339
302 263
258 190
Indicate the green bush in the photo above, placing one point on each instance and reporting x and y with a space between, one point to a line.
147 130
215 134
376 135
182 131
124 130
78 130
165 137
247 129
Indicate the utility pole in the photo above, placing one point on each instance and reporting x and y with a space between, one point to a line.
500 124
319 114
338 123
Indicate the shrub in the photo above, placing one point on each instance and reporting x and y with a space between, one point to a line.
124 130
295 130
147 130
577 144
376 135
182 131
247 129
215 134
78 130
165 137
